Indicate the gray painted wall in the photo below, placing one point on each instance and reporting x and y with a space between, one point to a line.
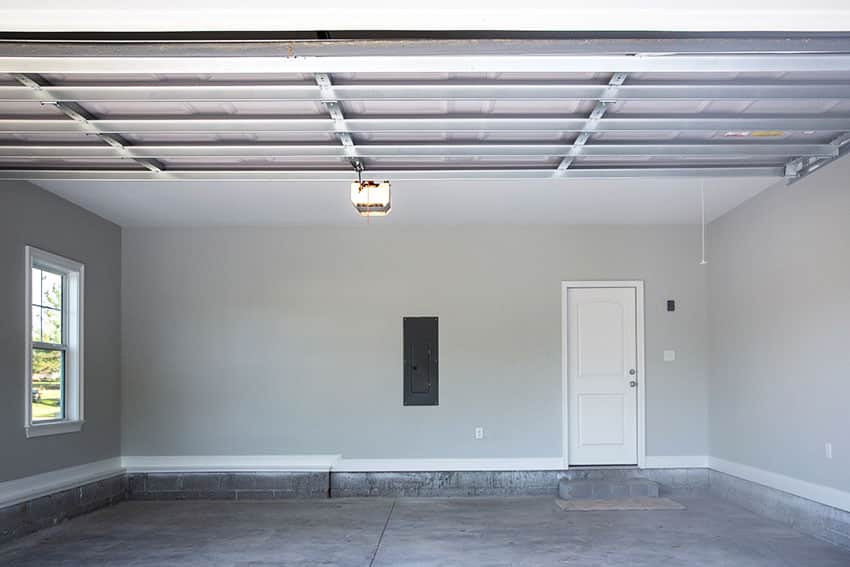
282 341
779 285
30 215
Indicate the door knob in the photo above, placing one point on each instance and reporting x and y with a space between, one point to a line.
632 372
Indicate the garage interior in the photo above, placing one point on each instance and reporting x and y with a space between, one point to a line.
441 296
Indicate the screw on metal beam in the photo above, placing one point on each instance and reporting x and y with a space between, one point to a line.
84 118
598 112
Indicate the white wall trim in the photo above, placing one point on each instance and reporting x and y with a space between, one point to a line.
35 486
641 363
677 462
54 428
428 465
809 490
230 463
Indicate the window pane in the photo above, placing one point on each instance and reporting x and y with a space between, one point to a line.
51 289
51 326
48 384
36 324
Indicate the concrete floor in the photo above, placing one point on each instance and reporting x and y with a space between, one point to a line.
432 531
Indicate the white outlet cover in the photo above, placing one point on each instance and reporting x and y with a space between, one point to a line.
828 450
669 355
479 433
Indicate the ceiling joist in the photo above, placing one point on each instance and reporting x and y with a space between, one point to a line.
394 174
435 123
672 150
458 63
424 109
283 91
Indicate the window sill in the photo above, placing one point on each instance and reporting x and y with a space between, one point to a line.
54 428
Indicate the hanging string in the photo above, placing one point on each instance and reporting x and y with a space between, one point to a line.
702 218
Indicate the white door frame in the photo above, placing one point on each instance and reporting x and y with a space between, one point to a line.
641 393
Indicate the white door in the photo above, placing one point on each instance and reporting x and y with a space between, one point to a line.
602 375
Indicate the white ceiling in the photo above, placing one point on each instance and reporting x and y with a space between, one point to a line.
555 201
622 15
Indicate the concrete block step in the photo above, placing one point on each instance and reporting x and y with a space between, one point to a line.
597 489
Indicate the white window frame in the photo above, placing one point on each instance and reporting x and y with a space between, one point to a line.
72 322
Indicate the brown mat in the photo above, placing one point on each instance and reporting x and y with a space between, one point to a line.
583 505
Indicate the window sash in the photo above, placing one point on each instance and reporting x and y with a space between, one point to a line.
64 273
63 386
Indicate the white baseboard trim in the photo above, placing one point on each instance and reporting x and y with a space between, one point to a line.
677 462
809 490
335 463
442 465
230 463
22 489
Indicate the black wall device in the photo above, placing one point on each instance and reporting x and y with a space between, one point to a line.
421 379
671 305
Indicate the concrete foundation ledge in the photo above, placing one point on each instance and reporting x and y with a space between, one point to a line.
227 485
670 480
500 483
816 519
32 515
458 483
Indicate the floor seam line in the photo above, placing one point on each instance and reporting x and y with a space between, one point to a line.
381 537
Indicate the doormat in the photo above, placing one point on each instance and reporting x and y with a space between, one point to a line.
637 504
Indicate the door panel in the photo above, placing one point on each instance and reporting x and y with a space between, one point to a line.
601 352
600 419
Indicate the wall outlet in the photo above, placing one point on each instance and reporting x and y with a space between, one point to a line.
669 355
479 433
828 450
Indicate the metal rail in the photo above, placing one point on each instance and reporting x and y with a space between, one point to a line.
213 150
436 123
394 174
256 91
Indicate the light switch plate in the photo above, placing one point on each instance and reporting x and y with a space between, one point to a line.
669 355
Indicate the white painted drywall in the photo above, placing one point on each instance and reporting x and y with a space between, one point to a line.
779 297
31 216
288 340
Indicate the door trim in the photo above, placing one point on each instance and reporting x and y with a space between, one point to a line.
642 379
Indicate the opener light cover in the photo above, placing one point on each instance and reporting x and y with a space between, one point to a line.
370 198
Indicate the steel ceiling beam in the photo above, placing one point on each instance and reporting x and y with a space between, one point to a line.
455 63
188 150
395 175
228 44
436 123
334 107
434 90
596 115
82 120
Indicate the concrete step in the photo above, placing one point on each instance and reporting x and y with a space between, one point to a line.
597 489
